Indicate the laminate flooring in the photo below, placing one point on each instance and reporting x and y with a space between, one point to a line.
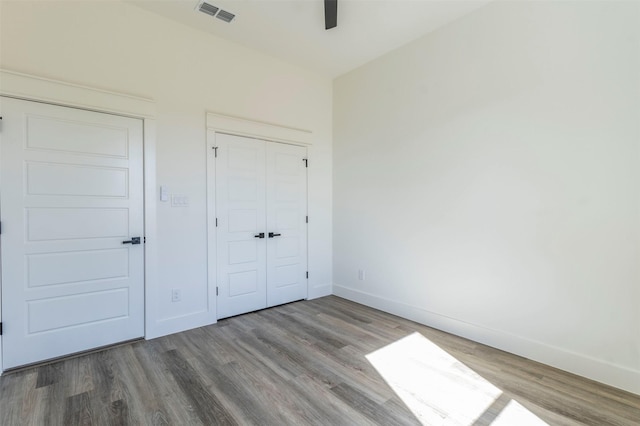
327 361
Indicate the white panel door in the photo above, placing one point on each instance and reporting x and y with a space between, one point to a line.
70 195
241 216
286 224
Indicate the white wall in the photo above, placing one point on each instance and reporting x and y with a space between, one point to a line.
119 47
487 179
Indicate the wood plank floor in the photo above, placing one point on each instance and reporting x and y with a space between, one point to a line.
325 362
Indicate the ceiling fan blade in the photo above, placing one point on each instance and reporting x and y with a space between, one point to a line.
330 14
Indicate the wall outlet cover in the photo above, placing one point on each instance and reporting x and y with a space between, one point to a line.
176 295
361 274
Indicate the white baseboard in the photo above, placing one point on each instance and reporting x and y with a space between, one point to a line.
321 291
173 325
168 326
583 365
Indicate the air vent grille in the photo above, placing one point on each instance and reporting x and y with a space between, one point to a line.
208 9
225 16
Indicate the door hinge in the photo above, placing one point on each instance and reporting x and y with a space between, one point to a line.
215 151
0 329
306 219
216 222
144 240
306 162
216 291
307 274
0 227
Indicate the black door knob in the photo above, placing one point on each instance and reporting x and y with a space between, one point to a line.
260 235
134 240
272 234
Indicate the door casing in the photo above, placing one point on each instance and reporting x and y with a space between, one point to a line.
262 247
38 89
218 123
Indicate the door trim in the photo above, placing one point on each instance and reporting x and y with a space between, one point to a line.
256 129
39 89
219 123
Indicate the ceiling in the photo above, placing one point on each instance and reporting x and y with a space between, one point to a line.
293 30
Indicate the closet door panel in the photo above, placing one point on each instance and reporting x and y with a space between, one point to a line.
286 207
241 214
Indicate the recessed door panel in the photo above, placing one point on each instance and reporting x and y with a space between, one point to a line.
243 283
287 218
287 247
243 220
287 191
243 188
72 192
286 275
47 269
98 137
75 223
75 310
243 156
70 179
243 252
288 163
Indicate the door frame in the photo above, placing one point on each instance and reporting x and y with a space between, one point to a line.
39 89
236 126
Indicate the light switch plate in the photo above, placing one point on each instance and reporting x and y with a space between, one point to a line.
179 201
164 193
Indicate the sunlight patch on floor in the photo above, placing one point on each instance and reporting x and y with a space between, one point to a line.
516 414
439 389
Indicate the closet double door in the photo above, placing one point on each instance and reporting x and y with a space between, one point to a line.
261 232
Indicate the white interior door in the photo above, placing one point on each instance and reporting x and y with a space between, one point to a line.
241 216
261 205
71 193
286 224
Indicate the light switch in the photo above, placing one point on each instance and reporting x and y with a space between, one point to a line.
179 201
164 193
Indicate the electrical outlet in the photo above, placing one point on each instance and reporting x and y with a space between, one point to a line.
361 274
176 295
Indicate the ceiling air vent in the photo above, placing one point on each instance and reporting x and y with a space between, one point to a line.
225 16
207 8
212 10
